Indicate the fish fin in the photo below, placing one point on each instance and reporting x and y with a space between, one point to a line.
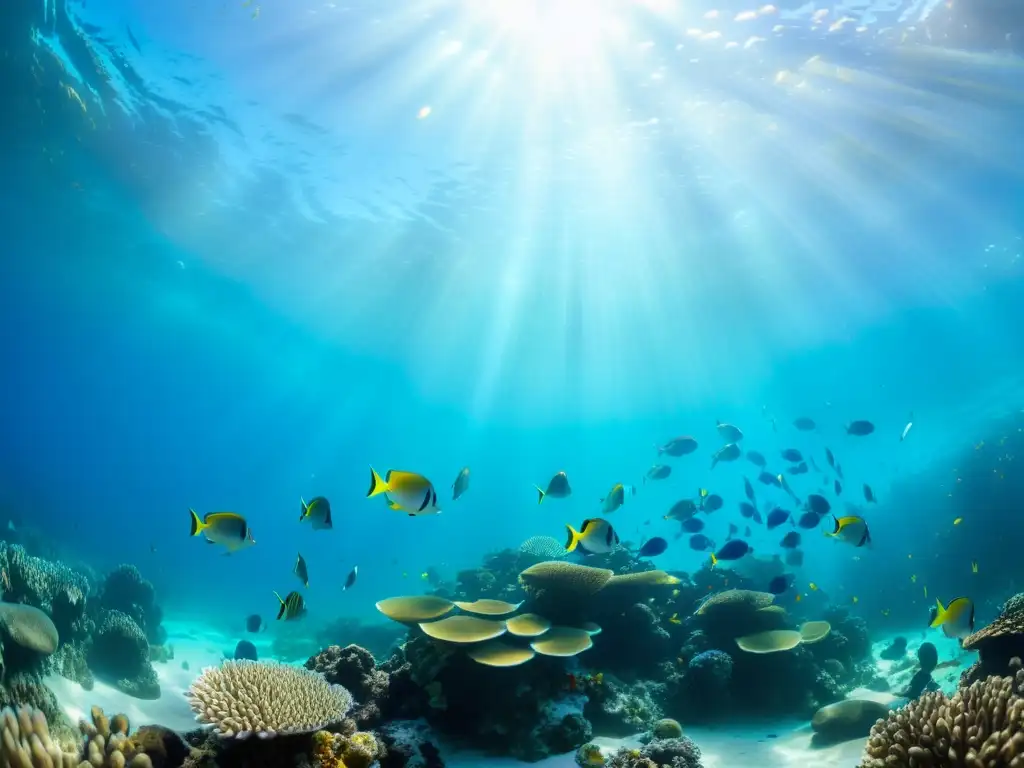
377 484
197 524
573 540
283 607
940 615
540 494
714 560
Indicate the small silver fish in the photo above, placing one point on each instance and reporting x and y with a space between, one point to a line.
461 484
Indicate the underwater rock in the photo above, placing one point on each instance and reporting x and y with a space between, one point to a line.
355 669
561 728
997 643
848 719
896 650
409 744
120 653
246 650
29 627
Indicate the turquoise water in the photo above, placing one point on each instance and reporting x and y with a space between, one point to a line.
249 255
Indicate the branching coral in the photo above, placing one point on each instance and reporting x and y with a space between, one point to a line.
979 726
242 698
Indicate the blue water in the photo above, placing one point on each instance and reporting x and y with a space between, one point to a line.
247 258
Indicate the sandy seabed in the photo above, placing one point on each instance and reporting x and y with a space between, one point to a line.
786 744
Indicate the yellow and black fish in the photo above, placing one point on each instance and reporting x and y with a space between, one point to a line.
407 492
301 571
292 607
616 498
226 528
851 529
595 537
558 488
956 619
318 512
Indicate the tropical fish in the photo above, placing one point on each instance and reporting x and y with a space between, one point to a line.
860 428
407 492
658 472
747 509
226 528
701 543
729 433
784 484
768 478
616 498
814 465
300 570
837 487
792 455
869 495
957 521
595 537
461 484
805 424
728 452
254 623
693 524
558 488
292 607
790 541
809 520
673 619
798 469
712 503
757 517
830 458
678 446
956 619
839 471
748 489
653 547
851 530
317 511
777 517
351 578
780 584
757 459
731 550
682 510
817 504
906 429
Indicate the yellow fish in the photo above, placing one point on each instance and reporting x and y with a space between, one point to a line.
958 521
226 528
425 576
855 599
926 591
885 611
850 529
913 578
813 586
407 492
616 498
674 619
974 566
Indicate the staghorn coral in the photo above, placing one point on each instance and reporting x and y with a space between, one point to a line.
242 698
355 669
979 726
120 652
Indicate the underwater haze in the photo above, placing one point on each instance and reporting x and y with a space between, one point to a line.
253 249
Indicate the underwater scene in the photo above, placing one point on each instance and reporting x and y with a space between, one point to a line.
476 383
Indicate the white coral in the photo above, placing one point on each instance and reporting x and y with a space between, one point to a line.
242 698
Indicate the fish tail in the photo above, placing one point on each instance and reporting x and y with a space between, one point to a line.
573 540
714 560
197 524
940 615
305 509
377 485
540 494
282 609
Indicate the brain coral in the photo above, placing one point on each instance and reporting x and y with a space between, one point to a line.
29 627
978 726
242 698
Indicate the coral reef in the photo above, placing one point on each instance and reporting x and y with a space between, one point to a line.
335 750
120 652
126 591
409 744
675 753
997 643
355 669
979 725
243 698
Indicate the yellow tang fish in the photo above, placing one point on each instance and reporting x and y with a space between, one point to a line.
956 619
227 528
407 492
851 530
